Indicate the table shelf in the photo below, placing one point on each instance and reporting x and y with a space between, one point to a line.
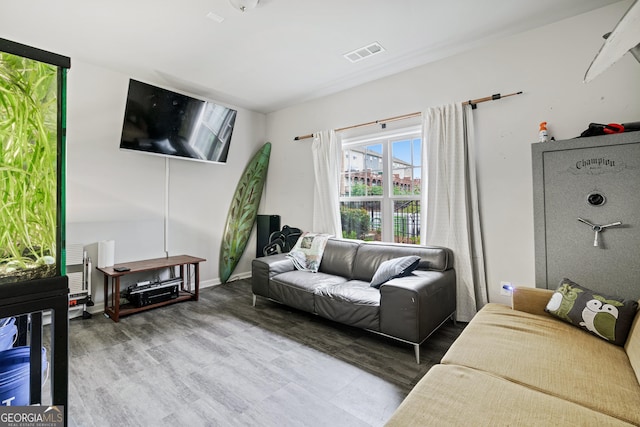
189 288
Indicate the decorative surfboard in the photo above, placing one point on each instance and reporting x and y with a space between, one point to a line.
243 212
624 38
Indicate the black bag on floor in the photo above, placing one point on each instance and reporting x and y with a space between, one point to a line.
282 241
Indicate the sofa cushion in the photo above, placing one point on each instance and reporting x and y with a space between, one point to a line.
632 347
455 395
605 316
371 254
353 291
296 288
338 257
395 267
353 303
550 356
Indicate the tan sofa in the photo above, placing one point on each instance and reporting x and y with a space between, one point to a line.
523 367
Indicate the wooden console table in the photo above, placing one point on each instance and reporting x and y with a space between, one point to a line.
189 289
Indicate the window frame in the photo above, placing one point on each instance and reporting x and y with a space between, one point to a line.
387 200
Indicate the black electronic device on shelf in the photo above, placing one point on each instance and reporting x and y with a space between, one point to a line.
147 293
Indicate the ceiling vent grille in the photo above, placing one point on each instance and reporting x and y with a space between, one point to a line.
364 52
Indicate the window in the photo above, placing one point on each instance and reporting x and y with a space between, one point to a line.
380 186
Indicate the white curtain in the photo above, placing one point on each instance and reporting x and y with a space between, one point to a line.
452 217
327 154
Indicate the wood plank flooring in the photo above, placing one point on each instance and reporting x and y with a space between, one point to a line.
222 362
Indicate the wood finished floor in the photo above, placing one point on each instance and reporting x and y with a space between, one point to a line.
222 362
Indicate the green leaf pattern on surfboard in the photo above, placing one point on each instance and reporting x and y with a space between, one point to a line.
243 212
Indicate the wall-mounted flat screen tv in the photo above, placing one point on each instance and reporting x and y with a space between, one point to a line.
163 122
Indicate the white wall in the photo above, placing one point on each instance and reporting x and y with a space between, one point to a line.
119 195
547 64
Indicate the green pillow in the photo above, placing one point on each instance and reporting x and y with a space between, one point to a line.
395 267
604 316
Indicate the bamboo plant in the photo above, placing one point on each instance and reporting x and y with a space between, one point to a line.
28 178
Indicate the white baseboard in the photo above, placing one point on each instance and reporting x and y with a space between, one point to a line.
209 283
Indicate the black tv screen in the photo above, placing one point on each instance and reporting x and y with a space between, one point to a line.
163 122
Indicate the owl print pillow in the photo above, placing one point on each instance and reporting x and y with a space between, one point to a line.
607 317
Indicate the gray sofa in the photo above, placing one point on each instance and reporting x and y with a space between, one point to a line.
408 308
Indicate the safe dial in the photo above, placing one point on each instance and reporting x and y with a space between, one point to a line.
596 199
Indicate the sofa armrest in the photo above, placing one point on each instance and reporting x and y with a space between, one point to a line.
264 268
412 307
531 300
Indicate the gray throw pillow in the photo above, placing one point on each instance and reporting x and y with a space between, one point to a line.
395 267
605 316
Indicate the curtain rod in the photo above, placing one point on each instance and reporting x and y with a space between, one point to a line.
383 122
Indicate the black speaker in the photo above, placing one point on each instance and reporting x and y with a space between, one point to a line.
267 224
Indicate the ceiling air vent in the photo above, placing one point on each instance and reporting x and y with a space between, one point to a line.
364 52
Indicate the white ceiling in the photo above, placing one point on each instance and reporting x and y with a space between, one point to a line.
281 53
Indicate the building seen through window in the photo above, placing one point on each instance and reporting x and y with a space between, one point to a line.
380 186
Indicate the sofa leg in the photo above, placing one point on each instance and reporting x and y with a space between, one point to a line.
453 319
416 348
255 297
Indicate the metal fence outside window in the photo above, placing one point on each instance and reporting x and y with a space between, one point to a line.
363 220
